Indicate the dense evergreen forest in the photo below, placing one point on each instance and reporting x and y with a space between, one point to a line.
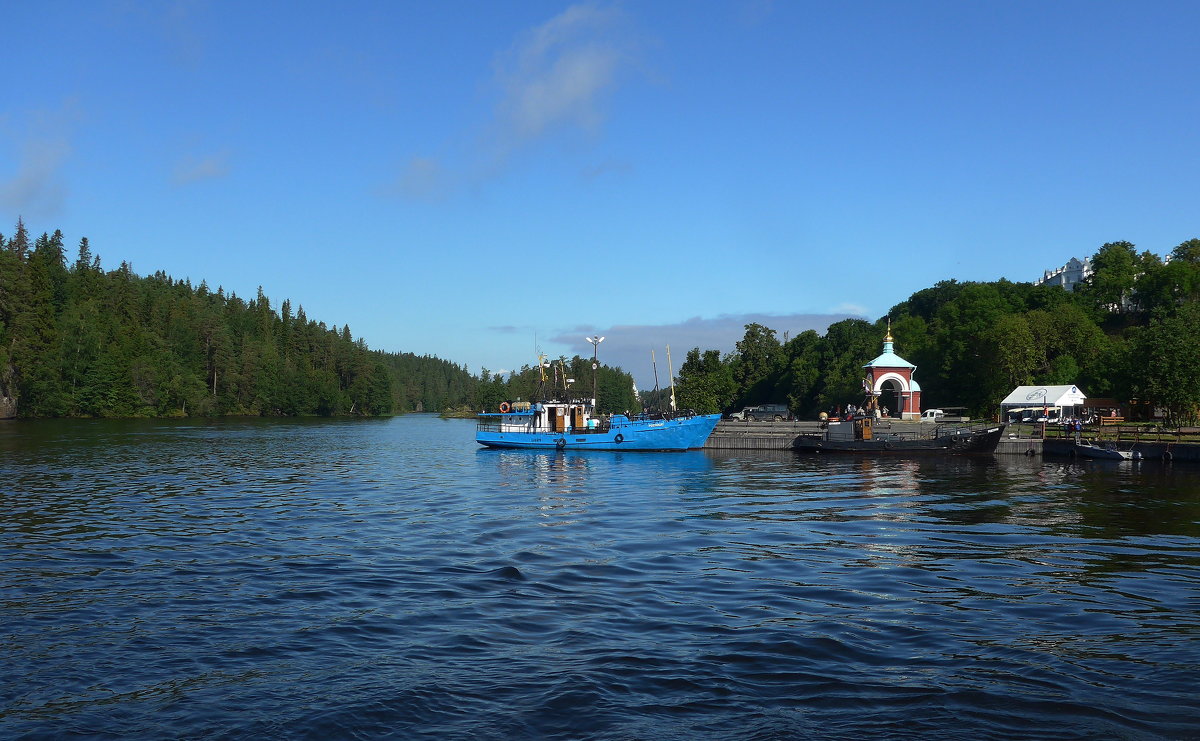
76 340
79 341
1131 331
424 383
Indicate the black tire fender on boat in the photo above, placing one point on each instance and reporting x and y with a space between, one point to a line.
560 443
619 438
1166 456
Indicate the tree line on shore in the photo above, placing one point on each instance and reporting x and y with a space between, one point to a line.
76 340
79 341
1130 331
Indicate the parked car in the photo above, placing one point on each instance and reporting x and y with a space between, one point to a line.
941 415
775 412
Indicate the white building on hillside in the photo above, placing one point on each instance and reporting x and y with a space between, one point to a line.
1068 275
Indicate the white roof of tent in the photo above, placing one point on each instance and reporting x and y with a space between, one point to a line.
1051 396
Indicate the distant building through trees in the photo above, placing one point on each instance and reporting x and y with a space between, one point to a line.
1075 271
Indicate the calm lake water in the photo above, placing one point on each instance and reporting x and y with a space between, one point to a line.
366 579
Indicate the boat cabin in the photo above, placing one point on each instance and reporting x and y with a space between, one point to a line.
859 428
570 417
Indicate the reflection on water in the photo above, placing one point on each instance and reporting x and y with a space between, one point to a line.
390 578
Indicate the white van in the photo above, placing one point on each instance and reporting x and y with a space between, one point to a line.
940 415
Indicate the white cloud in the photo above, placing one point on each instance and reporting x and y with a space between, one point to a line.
756 12
37 188
613 166
180 26
559 72
193 169
424 178
849 308
42 147
556 77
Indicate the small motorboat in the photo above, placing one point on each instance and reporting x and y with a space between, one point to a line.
1101 452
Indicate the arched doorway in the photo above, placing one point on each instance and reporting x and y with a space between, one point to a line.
889 397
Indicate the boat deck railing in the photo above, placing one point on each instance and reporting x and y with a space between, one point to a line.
485 424
493 422
1127 434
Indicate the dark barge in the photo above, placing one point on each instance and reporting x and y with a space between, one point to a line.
858 435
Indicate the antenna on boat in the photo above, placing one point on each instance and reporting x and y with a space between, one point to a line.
671 370
542 372
654 365
561 371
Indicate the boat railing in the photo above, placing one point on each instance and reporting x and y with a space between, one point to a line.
483 424
649 416
902 435
1131 434
495 423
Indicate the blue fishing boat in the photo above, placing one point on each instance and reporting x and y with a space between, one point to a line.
574 425
565 422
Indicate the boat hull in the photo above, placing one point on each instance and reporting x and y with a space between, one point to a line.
1105 454
966 441
683 433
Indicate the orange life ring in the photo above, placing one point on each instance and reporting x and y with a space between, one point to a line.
504 407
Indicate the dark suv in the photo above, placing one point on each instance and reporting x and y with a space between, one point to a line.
776 412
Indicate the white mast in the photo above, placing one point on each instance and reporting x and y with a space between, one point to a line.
671 370
595 363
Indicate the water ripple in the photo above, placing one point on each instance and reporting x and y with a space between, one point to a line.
315 579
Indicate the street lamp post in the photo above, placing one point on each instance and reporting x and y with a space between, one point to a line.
595 365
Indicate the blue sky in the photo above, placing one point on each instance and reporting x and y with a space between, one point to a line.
476 180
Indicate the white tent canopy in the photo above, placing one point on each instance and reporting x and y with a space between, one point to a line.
1043 397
